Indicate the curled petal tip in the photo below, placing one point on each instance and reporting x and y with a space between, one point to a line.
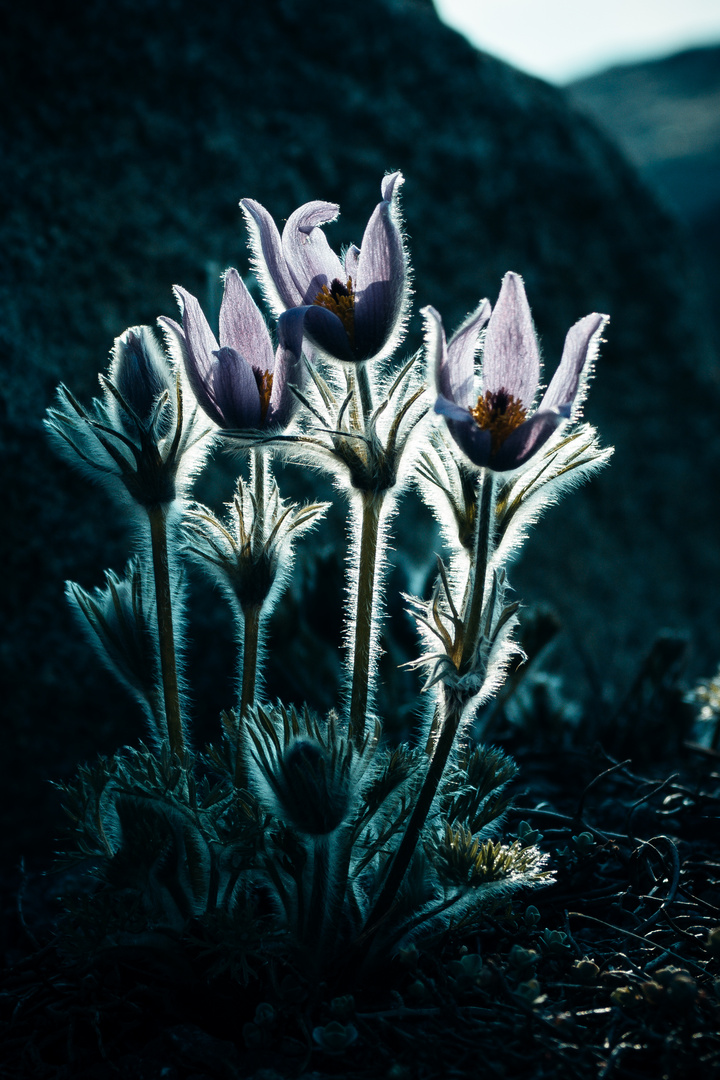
390 184
431 314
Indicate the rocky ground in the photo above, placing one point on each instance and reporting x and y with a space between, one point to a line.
612 971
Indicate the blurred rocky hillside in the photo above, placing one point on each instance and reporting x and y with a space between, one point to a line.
131 129
665 116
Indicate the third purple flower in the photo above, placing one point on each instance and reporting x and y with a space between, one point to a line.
498 428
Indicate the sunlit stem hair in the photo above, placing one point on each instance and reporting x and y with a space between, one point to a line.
252 608
454 694
367 433
157 517
357 424
369 562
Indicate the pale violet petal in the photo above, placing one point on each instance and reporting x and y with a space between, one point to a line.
462 349
474 442
269 263
382 287
200 346
200 339
511 357
451 411
327 333
308 256
578 355
390 184
235 390
436 351
525 441
351 262
289 368
242 326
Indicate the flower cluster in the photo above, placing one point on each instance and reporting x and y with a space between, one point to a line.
300 837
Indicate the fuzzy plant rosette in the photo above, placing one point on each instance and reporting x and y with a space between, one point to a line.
303 842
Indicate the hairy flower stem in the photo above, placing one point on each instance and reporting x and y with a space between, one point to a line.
251 638
157 516
372 503
472 616
342 859
259 476
453 700
318 898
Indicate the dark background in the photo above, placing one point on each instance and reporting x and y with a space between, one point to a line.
129 133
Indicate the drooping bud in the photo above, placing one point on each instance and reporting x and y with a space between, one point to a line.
140 373
309 766
311 789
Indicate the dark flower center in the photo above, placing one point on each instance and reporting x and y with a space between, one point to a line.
498 412
340 299
264 382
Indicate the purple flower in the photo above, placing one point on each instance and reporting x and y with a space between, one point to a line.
355 308
499 429
240 383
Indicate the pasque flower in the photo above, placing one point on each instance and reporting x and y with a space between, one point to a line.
499 429
357 307
241 382
140 438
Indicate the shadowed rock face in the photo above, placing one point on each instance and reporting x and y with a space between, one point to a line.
665 116
131 134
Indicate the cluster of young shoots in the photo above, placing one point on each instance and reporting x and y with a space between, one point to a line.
309 839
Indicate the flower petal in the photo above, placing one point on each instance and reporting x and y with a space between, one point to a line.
200 349
436 351
269 263
288 367
580 349
474 442
511 358
525 441
450 410
350 262
327 333
309 258
235 390
382 288
461 354
174 333
242 326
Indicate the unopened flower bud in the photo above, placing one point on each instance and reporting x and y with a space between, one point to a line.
312 791
140 373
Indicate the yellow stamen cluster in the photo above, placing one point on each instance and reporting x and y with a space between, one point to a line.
264 385
340 299
499 413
